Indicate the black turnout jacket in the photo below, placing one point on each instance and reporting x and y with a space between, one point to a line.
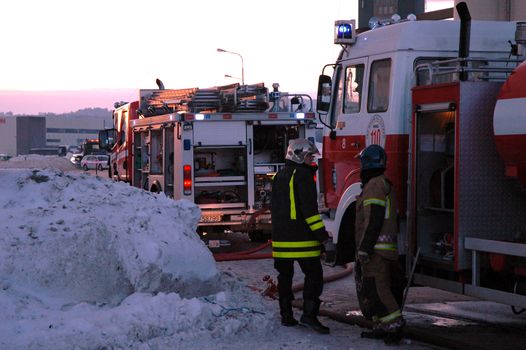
297 227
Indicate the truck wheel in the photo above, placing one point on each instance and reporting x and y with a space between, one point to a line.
156 187
115 175
346 246
258 236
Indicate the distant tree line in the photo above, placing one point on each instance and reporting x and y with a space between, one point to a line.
85 112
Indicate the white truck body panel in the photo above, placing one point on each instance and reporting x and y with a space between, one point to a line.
231 158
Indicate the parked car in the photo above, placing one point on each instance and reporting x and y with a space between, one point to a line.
76 158
93 161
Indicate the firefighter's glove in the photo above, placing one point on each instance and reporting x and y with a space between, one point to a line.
330 251
363 257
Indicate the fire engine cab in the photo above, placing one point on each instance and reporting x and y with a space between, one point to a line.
426 91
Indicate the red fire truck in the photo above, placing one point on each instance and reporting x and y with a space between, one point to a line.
118 141
429 98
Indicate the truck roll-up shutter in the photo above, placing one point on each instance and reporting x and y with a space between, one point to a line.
218 133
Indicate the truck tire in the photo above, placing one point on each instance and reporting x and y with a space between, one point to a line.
156 187
115 175
346 246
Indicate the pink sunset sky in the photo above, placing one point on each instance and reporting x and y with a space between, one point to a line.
60 55
35 102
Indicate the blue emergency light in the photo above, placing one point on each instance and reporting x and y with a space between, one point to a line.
345 32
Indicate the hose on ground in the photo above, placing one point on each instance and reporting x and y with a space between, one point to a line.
245 255
429 336
271 289
326 279
233 257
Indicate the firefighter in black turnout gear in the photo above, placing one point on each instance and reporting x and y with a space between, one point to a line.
380 281
298 233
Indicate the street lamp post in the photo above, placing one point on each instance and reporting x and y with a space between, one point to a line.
242 65
231 77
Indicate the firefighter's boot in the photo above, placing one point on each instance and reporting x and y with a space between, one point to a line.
309 319
377 331
394 331
374 334
285 310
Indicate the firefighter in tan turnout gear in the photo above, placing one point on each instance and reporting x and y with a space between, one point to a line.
298 233
379 279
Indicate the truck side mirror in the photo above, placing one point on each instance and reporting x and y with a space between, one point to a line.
324 94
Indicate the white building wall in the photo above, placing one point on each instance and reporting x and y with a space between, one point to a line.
72 131
496 10
8 136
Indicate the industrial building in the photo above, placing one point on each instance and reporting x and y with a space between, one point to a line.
19 134
482 10
73 130
22 134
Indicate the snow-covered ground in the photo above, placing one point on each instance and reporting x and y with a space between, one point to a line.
86 263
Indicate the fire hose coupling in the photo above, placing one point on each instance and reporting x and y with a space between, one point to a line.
271 290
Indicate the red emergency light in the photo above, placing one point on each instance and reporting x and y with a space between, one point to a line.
187 179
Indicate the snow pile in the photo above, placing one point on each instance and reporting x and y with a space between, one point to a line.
88 263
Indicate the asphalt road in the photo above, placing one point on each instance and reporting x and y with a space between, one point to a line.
460 322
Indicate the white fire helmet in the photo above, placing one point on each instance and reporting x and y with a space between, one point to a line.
299 148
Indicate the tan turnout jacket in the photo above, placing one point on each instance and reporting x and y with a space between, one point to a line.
380 192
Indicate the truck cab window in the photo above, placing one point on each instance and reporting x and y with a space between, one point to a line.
353 88
123 131
378 97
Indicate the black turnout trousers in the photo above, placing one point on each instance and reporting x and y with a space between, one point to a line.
311 268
